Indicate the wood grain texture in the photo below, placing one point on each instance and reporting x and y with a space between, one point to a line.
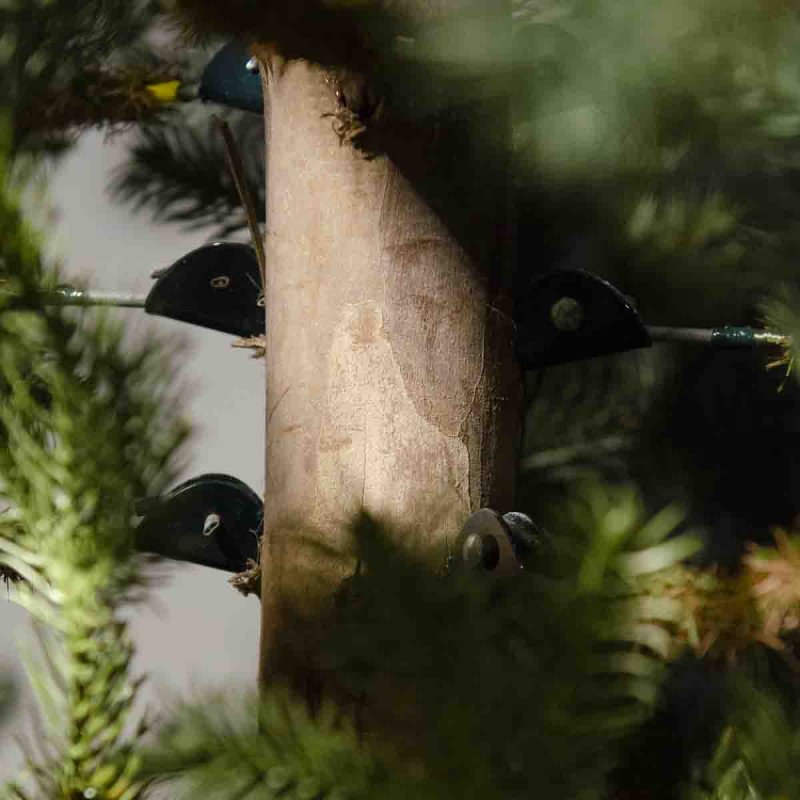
391 379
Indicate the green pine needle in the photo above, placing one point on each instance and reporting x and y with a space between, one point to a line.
51 55
221 747
757 754
88 423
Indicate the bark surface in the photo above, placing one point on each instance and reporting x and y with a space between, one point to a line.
391 379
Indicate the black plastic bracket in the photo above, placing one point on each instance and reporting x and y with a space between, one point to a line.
213 520
232 79
498 544
570 315
216 286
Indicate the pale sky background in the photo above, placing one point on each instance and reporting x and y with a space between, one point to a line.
195 631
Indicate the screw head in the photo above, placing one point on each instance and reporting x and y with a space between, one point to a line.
527 538
567 314
211 524
484 544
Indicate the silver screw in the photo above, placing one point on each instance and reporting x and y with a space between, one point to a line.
211 524
567 314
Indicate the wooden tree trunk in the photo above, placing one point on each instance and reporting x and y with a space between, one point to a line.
391 379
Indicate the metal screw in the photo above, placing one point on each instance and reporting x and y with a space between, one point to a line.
518 520
567 314
526 537
211 524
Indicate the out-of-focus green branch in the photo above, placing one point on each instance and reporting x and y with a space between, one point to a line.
88 423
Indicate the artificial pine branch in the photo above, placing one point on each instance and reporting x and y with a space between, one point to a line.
584 417
96 97
757 754
725 615
86 426
714 613
47 49
223 747
178 172
779 312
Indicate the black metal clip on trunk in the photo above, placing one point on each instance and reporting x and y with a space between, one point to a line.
570 315
213 520
497 544
216 286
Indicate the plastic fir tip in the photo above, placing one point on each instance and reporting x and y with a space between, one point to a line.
166 92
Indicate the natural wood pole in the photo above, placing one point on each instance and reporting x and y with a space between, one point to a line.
391 379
